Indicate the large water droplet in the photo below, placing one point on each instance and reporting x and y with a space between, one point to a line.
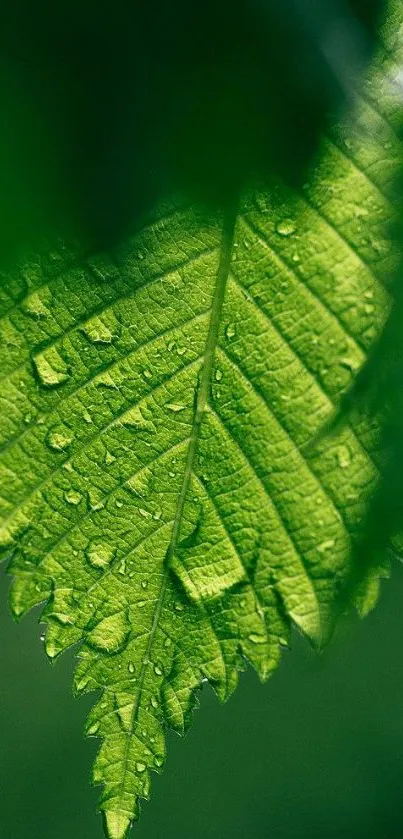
257 639
125 713
51 368
95 499
145 513
110 635
99 554
286 227
72 496
97 331
59 438
35 304
106 380
140 767
135 419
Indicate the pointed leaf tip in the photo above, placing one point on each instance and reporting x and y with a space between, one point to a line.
116 824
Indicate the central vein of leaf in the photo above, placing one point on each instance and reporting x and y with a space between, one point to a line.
203 391
203 394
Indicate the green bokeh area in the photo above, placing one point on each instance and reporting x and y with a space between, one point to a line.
316 752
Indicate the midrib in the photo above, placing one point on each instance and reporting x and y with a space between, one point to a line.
203 393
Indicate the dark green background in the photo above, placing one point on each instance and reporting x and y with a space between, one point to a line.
316 752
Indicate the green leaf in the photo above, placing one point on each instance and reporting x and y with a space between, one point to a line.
159 489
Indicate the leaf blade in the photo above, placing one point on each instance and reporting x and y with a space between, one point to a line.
104 362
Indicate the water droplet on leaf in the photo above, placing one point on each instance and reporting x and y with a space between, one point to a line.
134 418
257 639
144 513
286 227
51 368
97 331
34 305
72 496
59 438
140 767
110 634
172 406
99 554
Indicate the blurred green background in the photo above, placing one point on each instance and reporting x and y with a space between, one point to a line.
316 752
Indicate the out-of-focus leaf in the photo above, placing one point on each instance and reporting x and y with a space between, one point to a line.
110 106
